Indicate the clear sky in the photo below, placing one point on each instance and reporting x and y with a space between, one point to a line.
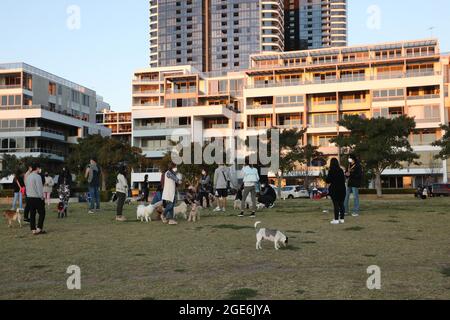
109 41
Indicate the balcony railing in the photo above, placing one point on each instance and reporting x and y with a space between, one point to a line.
10 86
162 126
425 96
260 106
46 108
428 120
342 80
33 150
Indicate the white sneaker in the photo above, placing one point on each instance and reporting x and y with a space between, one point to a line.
223 210
355 215
217 209
341 221
91 212
335 222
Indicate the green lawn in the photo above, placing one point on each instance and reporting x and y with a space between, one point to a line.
216 257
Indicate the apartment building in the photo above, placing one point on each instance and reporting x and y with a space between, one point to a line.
118 122
303 89
214 35
42 114
314 24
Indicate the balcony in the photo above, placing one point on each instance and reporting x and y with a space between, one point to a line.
10 86
259 106
425 96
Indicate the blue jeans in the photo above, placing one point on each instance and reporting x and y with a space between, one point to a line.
157 198
355 192
168 211
95 198
17 196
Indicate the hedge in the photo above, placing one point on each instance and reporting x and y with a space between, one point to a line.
388 191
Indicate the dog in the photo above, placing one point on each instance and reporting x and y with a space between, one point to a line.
12 216
194 214
181 211
145 212
275 236
248 203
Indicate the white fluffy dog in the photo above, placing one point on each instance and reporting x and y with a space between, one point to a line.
181 211
275 236
145 212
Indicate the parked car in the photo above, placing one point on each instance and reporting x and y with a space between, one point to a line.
441 189
294 192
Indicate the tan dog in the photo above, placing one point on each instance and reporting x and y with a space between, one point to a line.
194 214
12 216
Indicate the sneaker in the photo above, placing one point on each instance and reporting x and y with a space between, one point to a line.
223 210
253 215
172 223
335 222
240 215
217 209
91 212
121 219
355 214
342 221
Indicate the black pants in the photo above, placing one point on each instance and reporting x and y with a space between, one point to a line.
204 195
146 193
120 202
339 209
26 211
36 205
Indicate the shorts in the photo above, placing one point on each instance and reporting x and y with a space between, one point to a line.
222 193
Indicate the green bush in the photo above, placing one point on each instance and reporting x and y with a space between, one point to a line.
6 193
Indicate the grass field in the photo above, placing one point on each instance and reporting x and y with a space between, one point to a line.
216 257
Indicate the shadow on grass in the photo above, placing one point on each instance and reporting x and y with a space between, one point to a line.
309 242
232 227
148 298
293 231
180 270
242 294
446 272
38 267
370 255
391 221
290 248
300 291
354 229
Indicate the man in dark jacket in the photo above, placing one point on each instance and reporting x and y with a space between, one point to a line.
267 196
354 182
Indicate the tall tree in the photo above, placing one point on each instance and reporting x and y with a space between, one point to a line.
444 144
307 154
290 152
380 143
110 153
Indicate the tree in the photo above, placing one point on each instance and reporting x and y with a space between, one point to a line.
11 164
444 144
380 143
110 154
290 152
307 154
191 172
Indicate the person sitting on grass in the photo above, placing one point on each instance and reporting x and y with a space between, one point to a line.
267 196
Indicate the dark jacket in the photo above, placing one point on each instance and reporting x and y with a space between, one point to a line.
16 182
355 179
205 184
65 178
337 189
268 194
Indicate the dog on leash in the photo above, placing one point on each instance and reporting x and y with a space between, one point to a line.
275 236
181 211
13 216
248 204
145 212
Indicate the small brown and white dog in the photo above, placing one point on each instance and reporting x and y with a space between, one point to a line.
194 214
275 236
12 216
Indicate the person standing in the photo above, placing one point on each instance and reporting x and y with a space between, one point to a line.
19 187
336 181
251 179
205 188
354 182
170 182
35 198
145 189
48 188
221 183
121 192
93 177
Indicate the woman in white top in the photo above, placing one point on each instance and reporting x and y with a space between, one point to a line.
48 188
251 178
121 193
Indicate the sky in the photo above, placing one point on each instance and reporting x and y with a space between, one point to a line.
100 43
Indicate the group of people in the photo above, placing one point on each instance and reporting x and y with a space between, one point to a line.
340 192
